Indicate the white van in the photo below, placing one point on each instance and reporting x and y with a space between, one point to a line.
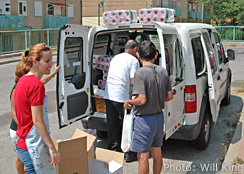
198 69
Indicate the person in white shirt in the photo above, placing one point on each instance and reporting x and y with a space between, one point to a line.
120 76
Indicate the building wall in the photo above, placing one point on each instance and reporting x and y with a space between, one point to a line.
36 22
32 21
90 9
76 10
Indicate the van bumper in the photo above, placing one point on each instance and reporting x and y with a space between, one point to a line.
96 121
187 132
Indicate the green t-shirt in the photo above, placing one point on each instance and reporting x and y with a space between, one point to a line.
13 124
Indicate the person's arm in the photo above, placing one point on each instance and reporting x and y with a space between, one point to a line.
13 108
139 100
37 116
169 96
50 76
135 66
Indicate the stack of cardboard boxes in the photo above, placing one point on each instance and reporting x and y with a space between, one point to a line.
79 155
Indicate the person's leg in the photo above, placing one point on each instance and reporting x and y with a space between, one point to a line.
26 160
113 123
143 163
157 144
120 110
157 159
19 165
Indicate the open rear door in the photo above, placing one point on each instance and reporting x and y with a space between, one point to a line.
169 41
213 76
73 81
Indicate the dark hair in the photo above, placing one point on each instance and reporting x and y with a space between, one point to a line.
35 53
147 50
131 44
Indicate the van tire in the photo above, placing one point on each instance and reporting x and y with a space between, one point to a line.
203 138
226 99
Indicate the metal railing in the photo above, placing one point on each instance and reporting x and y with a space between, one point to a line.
55 21
231 33
193 14
20 40
9 22
178 11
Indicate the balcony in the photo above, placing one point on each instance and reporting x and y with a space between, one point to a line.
193 14
55 21
207 16
178 11
9 22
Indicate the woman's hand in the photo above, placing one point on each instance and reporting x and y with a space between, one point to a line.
55 155
56 69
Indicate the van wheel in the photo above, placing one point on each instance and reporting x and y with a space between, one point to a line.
203 138
226 100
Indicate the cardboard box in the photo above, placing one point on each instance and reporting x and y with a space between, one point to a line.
74 153
106 162
100 103
91 141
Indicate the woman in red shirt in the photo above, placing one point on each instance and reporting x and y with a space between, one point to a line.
22 69
34 146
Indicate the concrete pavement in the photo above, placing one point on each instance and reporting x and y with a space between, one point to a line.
235 151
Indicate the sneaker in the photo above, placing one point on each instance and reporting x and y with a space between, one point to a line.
130 156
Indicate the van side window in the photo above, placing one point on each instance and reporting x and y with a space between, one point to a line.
220 48
210 52
178 60
198 54
155 39
119 46
101 45
73 61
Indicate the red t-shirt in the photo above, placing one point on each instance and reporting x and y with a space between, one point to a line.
29 92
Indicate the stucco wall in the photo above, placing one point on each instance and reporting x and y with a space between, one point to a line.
36 22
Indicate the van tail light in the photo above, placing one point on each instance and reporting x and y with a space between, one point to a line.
190 99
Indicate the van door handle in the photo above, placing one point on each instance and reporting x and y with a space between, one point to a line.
61 105
218 78
174 91
220 70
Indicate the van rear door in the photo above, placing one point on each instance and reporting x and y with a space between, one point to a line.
213 76
73 81
173 63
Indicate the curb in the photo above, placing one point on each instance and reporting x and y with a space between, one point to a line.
233 150
232 44
9 61
10 55
15 58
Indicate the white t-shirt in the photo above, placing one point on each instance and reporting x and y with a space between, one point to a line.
122 68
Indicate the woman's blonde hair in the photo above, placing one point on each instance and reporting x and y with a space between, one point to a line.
21 69
34 53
